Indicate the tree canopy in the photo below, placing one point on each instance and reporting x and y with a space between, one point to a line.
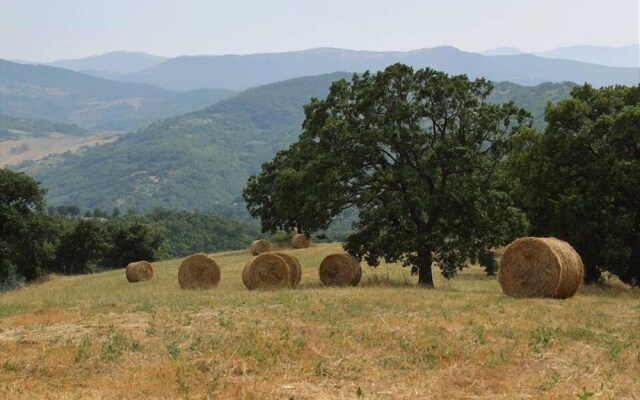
25 232
579 180
416 153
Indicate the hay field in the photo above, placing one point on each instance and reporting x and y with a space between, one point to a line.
100 337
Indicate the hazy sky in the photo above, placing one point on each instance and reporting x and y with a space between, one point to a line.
45 30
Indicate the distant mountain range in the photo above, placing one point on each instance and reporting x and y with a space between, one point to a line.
203 159
120 62
59 95
625 56
238 72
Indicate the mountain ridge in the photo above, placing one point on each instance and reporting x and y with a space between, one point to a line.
238 72
618 56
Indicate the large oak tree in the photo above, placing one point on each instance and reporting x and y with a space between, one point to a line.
416 153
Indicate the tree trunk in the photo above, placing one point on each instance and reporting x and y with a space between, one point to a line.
425 277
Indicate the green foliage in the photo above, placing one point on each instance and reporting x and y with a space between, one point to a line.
15 128
281 238
134 241
81 249
191 232
579 180
26 233
532 98
416 153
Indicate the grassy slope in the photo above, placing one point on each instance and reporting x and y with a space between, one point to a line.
77 337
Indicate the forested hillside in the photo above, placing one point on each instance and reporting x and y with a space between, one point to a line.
54 94
202 160
15 128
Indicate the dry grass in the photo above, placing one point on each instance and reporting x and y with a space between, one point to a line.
35 148
76 337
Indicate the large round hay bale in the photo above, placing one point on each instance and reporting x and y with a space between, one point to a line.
267 271
295 268
340 270
540 267
300 241
260 246
198 271
139 271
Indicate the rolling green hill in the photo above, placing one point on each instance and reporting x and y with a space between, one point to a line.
202 160
47 93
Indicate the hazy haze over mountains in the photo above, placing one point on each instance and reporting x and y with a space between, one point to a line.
42 92
121 62
239 72
624 56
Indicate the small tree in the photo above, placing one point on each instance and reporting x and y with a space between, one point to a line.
26 232
416 153
134 241
580 179
81 249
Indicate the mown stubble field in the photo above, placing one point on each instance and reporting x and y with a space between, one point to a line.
98 336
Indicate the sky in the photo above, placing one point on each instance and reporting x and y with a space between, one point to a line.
47 30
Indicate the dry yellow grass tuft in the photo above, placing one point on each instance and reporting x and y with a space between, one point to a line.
74 337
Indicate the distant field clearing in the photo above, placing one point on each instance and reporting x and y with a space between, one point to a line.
35 148
97 336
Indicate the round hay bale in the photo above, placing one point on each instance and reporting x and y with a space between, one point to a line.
300 241
294 268
139 271
267 271
198 271
260 246
340 270
540 267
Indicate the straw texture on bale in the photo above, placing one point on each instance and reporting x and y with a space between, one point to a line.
340 270
260 246
139 271
300 241
266 271
295 268
540 267
198 271
245 275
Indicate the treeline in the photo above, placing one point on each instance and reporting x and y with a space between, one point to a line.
36 240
